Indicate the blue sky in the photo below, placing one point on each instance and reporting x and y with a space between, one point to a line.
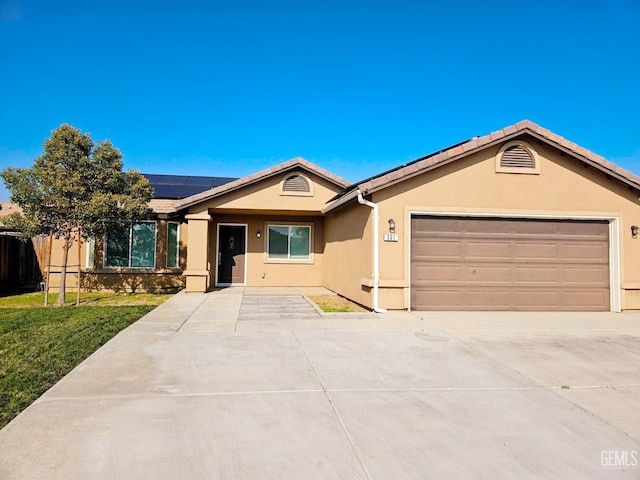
226 88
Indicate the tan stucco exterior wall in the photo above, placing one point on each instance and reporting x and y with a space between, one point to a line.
256 206
97 277
564 188
266 196
348 252
261 271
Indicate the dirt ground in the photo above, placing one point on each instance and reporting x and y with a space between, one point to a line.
336 303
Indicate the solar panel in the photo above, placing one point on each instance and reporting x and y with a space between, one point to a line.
199 181
217 181
175 187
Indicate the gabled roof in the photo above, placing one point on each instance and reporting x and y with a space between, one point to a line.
6 209
468 147
295 163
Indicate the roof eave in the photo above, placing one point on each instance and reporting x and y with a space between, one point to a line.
587 157
495 138
340 202
259 176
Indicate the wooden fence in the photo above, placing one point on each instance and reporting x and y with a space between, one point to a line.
22 264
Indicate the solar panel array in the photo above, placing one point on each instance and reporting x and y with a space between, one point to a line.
175 187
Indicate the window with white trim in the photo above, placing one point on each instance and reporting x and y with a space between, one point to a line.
289 242
173 239
133 247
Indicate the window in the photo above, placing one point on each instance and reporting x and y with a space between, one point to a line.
517 157
289 242
132 247
91 246
173 233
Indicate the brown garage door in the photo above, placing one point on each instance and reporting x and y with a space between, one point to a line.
467 263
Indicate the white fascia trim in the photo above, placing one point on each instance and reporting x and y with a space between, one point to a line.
341 201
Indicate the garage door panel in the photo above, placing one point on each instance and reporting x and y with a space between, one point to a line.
509 264
479 274
428 299
539 300
585 252
585 299
591 230
459 299
437 249
483 228
438 273
529 251
476 250
533 228
584 275
537 275
447 225
488 299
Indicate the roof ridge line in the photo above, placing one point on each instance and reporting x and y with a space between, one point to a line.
474 144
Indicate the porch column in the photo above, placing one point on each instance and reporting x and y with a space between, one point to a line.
197 272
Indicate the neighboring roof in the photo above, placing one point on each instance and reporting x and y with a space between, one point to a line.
468 147
162 205
181 186
295 163
6 209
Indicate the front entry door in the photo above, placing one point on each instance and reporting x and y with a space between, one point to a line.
231 253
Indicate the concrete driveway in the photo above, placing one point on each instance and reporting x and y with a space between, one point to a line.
256 384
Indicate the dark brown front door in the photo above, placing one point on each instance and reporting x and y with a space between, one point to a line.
231 253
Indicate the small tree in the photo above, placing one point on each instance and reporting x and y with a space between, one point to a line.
75 187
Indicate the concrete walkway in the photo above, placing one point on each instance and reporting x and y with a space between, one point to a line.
252 384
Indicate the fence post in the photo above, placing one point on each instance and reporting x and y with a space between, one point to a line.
46 284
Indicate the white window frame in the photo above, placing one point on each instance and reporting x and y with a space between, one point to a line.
268 259
155 247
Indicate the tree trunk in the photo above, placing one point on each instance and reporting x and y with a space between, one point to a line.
46 285
79 265
63 271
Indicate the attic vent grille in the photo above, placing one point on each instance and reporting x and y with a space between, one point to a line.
517 157
295 183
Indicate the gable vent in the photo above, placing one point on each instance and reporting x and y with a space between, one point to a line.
295 183
517 157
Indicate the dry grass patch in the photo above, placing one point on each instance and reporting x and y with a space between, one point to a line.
105 298
335 303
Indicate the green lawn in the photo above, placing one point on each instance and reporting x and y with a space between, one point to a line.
38 346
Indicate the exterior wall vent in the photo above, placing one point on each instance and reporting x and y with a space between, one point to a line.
517 157
295 184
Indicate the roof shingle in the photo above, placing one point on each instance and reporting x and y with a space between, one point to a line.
475 144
